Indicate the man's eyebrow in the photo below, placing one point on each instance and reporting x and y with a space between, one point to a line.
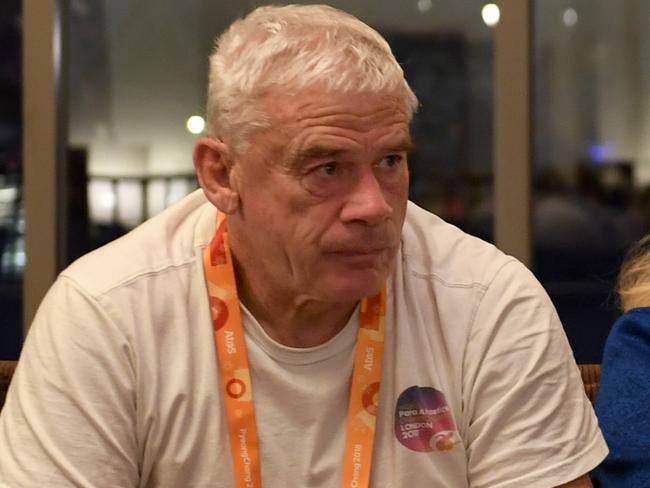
318 152
310 153
405 145
323 152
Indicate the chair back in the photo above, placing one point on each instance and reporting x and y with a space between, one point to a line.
590 379
6 373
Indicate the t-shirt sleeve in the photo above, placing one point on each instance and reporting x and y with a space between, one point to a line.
69 419
528 420
623 400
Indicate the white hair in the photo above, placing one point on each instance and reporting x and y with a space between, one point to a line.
289 48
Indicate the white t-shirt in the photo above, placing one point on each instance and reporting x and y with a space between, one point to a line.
117 385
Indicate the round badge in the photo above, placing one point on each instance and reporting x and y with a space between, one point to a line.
423 420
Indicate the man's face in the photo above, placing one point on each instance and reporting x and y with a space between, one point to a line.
323 195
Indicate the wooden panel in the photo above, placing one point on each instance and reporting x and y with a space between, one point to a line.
512 126
41 50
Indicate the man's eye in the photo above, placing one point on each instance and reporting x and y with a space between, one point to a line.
328 169
391 161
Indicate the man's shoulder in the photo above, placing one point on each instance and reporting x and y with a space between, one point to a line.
167 240
433 248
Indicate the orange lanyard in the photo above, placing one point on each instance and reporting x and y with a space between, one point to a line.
236 379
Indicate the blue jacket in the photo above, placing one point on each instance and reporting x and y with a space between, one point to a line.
623 405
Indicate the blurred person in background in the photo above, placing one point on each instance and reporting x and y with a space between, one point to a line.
623 404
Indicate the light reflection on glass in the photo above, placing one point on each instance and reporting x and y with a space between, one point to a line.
491 14
570 17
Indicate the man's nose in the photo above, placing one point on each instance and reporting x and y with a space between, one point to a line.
366 201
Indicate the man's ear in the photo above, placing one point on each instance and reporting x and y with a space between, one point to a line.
214 170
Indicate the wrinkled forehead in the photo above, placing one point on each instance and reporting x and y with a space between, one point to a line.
318 121
365 108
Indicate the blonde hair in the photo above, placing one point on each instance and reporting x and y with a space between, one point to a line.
634 277
292 47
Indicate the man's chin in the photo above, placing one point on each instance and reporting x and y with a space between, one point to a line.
356 286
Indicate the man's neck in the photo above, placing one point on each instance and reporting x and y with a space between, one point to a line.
298 326
293 321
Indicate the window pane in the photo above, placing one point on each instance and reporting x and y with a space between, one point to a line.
592 155
12 225
138 72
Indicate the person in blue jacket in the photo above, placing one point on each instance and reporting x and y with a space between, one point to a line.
623 404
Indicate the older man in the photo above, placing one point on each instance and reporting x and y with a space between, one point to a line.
298 322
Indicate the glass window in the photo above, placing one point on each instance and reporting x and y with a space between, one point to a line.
12 241
592 155
137 80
